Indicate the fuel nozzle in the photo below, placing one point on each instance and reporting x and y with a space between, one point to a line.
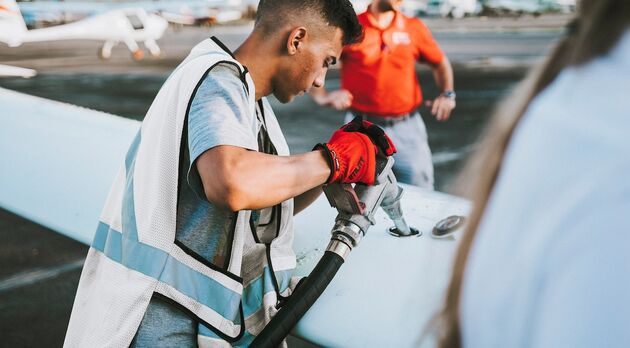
357 205
391 206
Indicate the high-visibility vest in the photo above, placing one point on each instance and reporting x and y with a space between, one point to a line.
135 253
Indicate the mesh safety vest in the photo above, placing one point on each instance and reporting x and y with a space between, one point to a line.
135 254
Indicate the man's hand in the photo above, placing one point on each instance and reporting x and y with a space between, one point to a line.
441 107
340 99
352 152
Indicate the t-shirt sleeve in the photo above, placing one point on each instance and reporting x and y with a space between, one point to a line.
218 115
428 49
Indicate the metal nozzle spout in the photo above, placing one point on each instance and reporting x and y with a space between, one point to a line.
391 206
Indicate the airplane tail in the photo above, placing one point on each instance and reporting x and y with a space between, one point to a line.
12 26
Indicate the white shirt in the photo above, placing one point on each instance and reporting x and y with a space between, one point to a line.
550 266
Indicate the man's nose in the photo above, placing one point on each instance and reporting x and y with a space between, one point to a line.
320 80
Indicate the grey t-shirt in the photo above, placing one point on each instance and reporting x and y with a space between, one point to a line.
219 115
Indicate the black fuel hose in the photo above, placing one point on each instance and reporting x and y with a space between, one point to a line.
299 302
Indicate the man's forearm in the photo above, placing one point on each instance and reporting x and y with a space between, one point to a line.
302 201
443 75
239 179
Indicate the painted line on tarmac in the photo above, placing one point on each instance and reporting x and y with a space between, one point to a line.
39 275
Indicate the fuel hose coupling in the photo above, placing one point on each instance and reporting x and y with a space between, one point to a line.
345 236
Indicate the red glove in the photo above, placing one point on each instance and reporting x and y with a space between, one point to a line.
378 136
353 150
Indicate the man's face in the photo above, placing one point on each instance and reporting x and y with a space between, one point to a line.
308 66
388 5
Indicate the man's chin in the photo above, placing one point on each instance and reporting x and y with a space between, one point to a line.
287 99
284 99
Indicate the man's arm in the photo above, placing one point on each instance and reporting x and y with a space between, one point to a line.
237 179
443 105
302 201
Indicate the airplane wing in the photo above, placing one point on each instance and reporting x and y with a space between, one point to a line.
59 160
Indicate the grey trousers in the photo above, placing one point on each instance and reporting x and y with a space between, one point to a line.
413 164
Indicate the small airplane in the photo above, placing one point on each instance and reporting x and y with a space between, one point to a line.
195 12
190 12
129 26
200 16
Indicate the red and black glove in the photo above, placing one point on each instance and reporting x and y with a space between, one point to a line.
353 152
376 134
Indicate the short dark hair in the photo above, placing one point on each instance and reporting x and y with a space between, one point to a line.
336 13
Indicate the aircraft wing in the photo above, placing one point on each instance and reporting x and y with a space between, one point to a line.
59 160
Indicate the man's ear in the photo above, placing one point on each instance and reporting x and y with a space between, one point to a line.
297 37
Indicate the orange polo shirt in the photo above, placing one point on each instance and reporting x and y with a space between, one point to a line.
380 71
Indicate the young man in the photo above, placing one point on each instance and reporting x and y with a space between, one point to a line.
194 243
378 83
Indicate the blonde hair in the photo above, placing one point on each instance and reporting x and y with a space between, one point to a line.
596 29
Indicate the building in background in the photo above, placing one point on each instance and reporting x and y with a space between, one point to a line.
506 7
463 8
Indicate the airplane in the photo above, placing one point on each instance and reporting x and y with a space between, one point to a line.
128 25
197 12
59 161
190 12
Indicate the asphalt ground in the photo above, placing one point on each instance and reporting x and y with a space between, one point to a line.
40 269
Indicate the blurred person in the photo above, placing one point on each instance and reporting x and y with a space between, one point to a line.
544 260
379 83
194 245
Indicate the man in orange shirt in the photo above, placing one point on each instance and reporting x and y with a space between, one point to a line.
378 83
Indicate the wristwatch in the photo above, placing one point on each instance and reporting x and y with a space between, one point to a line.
449 94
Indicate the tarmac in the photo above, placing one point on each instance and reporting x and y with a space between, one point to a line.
40 269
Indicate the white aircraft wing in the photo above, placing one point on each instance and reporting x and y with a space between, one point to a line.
58 162
390 288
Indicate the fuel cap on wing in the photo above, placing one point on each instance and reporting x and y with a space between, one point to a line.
445 227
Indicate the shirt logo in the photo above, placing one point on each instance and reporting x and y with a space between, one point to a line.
401 38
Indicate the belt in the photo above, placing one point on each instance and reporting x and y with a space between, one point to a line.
385 121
